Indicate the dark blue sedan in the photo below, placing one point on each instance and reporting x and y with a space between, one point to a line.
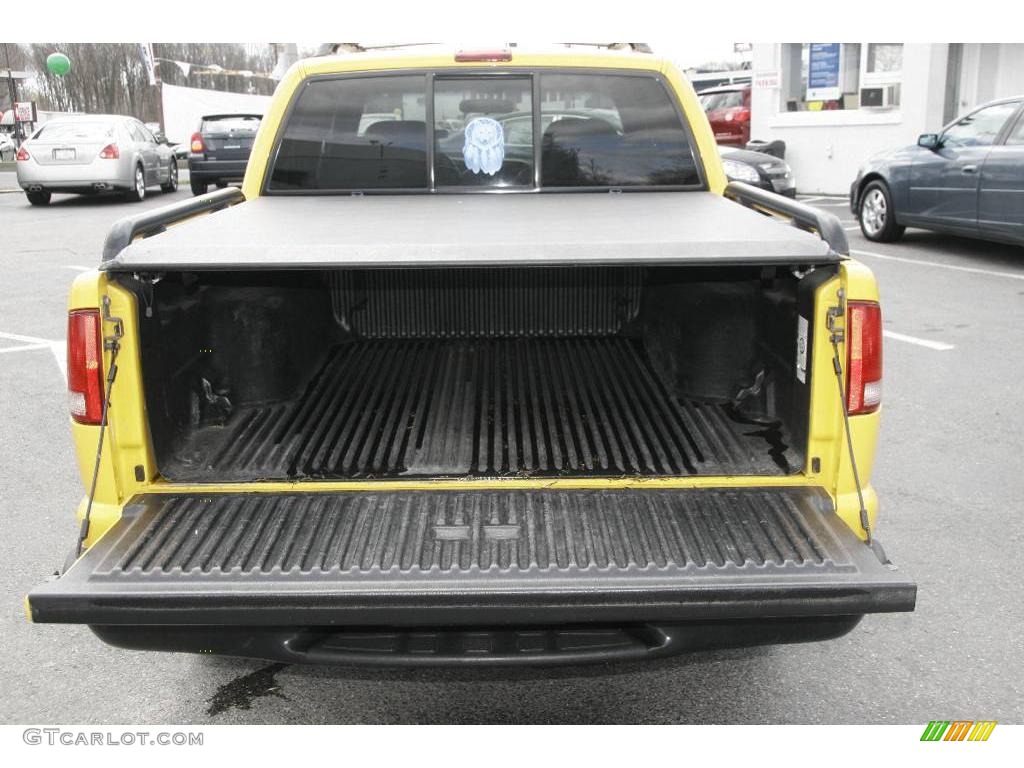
966 180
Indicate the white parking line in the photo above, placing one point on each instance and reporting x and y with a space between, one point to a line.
26 339
851 229
939 346
77 267
23 348
29 343
923 263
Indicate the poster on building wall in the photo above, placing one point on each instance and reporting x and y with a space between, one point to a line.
824 68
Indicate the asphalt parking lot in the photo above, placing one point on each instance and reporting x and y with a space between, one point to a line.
949 474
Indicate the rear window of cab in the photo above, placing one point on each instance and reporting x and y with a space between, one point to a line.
457 132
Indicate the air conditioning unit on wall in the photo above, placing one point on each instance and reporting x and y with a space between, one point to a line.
880 97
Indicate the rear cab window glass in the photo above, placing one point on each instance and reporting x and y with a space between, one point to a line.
483 132
552 130
612 131
333 141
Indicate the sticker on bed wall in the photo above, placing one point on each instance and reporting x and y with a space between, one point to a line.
484 150
801 349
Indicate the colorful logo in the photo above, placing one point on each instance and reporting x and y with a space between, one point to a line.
958 730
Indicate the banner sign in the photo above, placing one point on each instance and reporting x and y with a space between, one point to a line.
824 68
146 52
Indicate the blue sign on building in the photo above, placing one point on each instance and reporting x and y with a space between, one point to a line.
824 68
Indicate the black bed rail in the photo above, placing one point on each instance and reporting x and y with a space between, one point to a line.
149 223
806 217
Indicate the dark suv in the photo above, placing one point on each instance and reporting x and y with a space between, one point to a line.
220 150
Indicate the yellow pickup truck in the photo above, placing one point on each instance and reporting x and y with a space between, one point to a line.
485 363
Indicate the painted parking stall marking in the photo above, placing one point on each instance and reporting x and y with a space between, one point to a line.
938 346
32 343
940 265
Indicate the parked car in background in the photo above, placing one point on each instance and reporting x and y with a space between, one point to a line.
7 148
219 150
968 179
759 169
94 153
728 111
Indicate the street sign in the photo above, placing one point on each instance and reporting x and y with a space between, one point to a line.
824 66
24 111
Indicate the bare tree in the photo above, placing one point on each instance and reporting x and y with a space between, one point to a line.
111 77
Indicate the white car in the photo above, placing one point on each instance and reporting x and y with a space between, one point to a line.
94 153
7 148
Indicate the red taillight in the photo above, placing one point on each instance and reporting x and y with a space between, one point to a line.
110 152
85 366
500 54
22 155
197 143
743 115
863 357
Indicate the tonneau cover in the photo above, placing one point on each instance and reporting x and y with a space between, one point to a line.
285 232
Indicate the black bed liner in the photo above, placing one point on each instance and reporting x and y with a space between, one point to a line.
473 557
523 407
576 229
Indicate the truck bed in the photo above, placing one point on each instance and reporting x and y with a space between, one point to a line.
485 407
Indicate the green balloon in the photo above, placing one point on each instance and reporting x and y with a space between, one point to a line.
58 64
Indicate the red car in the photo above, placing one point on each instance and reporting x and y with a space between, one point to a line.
728 110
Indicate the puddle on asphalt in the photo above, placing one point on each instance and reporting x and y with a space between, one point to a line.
242 691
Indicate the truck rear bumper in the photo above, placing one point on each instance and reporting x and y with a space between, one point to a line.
475 646
408 561
217 170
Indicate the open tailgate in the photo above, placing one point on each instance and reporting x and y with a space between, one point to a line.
474 557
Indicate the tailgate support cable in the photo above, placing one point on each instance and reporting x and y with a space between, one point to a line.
837 335
112 343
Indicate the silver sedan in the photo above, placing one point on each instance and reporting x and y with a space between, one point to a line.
94 153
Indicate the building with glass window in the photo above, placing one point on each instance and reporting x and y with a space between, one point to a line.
835 104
